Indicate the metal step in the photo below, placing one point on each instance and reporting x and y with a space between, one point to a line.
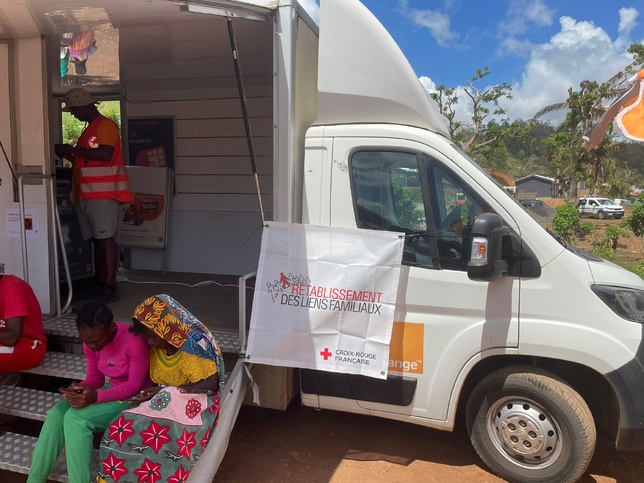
61 364
15 455
26 403
65 329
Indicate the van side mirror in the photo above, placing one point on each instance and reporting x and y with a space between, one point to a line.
486 261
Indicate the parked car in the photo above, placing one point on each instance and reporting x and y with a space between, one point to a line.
599 208
533 204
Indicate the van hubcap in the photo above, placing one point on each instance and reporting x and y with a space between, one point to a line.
522 431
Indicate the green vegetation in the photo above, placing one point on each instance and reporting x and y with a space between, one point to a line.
609 238
568 227
635 222
636 267
587 228
566 223
406 200
605 244
72 127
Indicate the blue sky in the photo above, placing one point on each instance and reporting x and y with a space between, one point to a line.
540 47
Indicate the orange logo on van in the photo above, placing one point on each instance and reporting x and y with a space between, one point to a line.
406 351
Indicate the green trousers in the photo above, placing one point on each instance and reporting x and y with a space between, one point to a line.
73 428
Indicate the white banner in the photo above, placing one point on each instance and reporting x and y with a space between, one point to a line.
325 298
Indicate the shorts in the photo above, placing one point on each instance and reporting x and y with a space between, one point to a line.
27 353
98 218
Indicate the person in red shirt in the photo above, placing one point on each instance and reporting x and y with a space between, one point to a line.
22 338
99 185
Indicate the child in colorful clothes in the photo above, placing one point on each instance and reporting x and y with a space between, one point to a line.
162 438
111 351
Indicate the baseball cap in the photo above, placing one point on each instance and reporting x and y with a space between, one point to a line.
77 97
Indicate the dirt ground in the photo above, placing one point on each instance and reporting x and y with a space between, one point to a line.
628 248
302 445
305 445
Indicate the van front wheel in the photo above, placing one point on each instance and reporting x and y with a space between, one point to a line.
530 426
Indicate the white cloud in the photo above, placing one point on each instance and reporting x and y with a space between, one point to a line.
627 20
516 47
539 13
523 14
437 23
580 50
428 84
521 17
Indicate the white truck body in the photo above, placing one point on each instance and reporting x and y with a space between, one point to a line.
342 128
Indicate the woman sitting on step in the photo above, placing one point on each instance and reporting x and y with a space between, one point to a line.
164 436
111 351
22 338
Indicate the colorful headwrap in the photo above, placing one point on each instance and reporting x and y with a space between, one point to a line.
168 319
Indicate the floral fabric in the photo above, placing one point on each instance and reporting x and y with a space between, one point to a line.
160 440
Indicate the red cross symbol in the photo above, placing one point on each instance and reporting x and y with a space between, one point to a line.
326 354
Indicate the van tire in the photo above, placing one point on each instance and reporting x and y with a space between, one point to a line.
530 426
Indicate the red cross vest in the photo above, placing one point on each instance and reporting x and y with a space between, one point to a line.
97 180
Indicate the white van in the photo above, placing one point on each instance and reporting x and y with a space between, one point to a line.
540 344
600 208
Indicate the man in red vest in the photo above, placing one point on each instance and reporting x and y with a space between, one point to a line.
99 185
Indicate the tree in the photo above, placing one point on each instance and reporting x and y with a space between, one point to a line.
569 156
482 135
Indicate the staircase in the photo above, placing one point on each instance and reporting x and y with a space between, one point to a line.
37 392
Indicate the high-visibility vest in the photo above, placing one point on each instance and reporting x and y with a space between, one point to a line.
96 180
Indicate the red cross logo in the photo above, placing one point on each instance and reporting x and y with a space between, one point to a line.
326 354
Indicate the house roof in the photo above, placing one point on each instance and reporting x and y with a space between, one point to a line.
537 177
502 178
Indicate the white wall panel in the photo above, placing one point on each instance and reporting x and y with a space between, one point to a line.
205 108
222 184
191 90
225 203
232 242
208 66
204 165
186 71
198 128
222 146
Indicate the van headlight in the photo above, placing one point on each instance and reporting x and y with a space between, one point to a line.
625 302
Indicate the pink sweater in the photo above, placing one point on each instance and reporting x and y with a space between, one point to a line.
125 361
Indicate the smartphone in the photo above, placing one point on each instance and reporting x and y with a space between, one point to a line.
67 390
